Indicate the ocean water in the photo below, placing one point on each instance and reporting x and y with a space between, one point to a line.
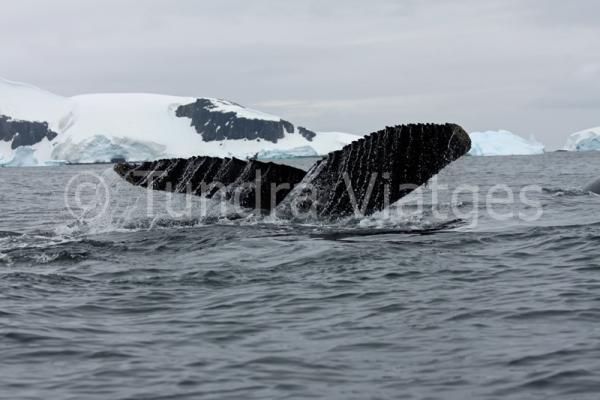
467 290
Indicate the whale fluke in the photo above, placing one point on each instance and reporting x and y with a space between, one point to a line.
364 177
229 178
593 187
371 173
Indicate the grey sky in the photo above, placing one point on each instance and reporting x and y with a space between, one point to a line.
529 66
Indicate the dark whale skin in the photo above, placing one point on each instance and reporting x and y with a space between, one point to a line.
377 170
364 177
593 187
230 178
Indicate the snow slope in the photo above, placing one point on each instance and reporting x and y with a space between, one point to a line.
101 127
29 103
502 143
242 112
326 142
104 122
586 140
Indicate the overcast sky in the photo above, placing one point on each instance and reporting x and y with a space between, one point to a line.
529 66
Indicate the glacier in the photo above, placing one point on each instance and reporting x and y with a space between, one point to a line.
101 149
586 140
502 143
21 157
305 151
140 126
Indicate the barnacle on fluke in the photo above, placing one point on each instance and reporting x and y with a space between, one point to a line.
363 177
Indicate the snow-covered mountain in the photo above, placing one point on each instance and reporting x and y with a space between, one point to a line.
38 127
586 140
502 143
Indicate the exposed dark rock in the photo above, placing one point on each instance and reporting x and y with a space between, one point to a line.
308 134
363 177
24 133
217 125
229 178
376 170
288 126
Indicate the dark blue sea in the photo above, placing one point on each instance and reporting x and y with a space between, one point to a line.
483 285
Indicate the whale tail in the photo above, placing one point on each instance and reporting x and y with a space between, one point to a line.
374 172
593 187
247 183
364 177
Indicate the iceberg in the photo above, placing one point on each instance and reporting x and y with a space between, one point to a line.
503 143
586 140
22 157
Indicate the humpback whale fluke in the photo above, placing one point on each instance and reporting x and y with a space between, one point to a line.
370 174
363 177
230 178
593 187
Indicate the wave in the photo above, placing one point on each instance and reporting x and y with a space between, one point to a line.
9 234
429 228
133 219
568 192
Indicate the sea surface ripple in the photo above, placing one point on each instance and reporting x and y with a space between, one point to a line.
126 305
